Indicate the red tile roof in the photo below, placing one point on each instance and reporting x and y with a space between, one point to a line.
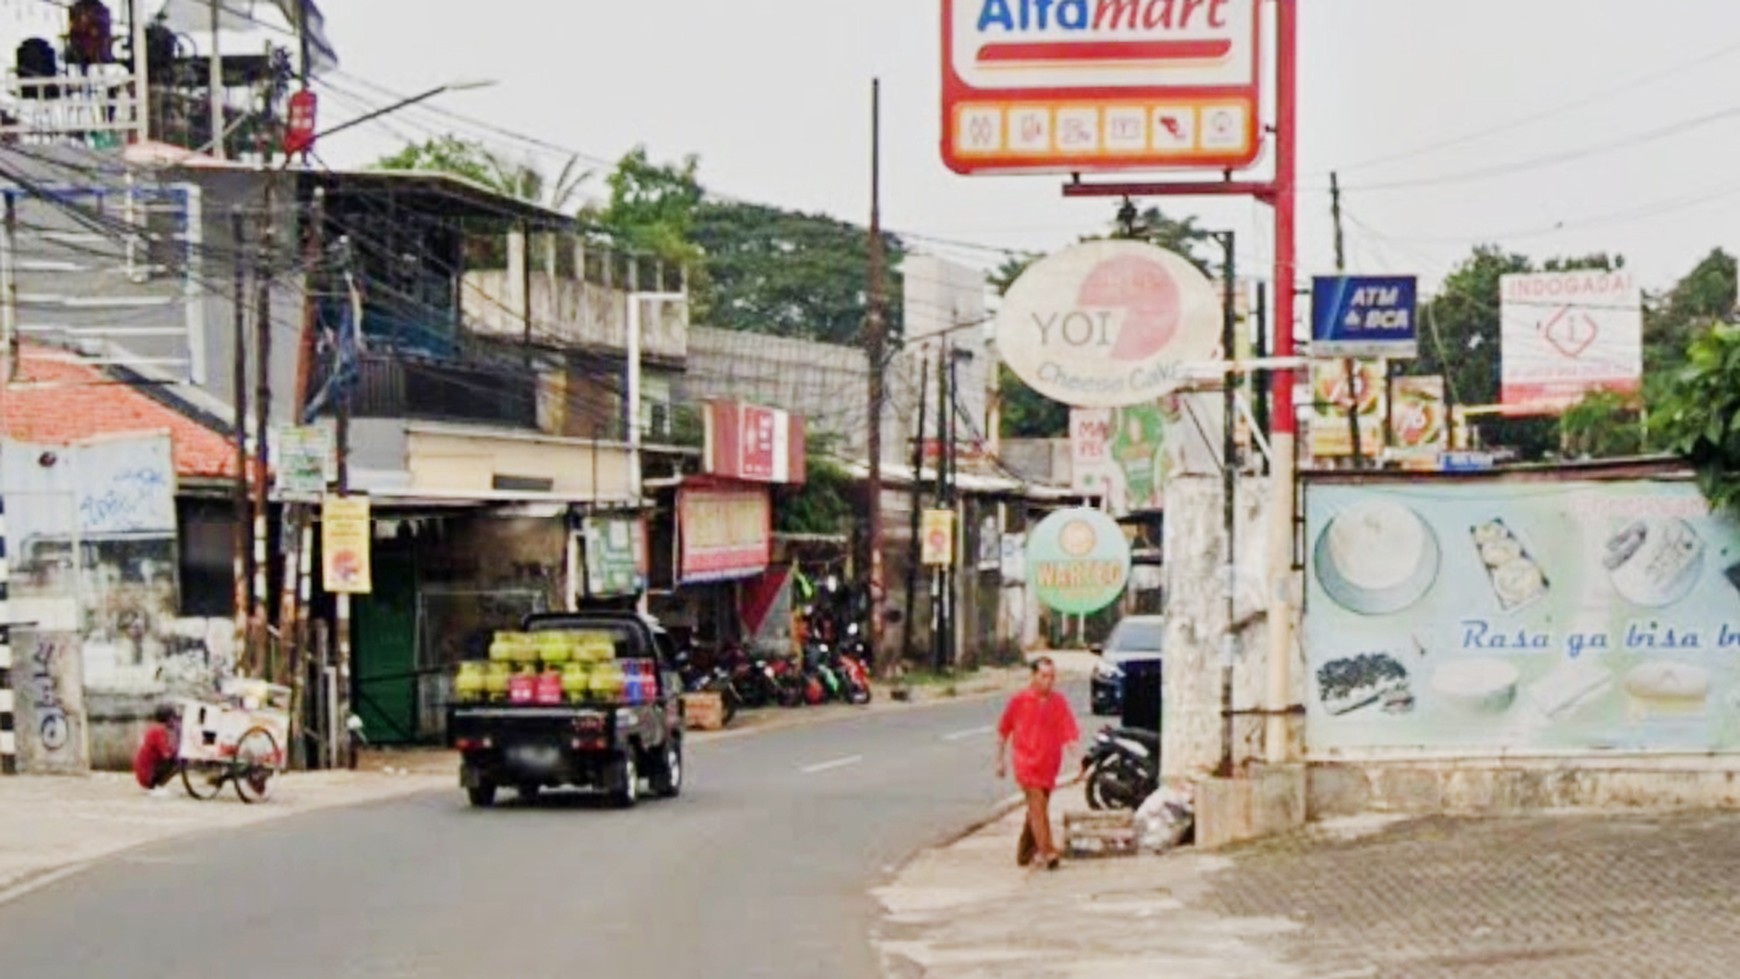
56 402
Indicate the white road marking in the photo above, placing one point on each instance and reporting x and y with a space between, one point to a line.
829 765
970 733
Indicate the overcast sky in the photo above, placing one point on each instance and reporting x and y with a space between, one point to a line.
1614 139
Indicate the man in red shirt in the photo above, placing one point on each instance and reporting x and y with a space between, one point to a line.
1039 724
154 763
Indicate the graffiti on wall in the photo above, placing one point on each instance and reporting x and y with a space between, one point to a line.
51 714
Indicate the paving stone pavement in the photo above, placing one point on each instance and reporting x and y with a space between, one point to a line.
1557 895
1548 896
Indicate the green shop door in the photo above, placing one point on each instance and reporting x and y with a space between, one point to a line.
385 674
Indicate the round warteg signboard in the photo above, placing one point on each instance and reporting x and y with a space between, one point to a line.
1078 561
1108 324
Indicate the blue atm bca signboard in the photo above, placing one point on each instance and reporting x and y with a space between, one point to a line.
1364 316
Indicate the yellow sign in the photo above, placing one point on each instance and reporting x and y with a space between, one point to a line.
344 542
937 536
1332 395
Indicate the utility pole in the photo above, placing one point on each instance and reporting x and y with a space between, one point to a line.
1348 364
263 422
939 588
875 342
951 577
914 551
1229 501
338 691
243 523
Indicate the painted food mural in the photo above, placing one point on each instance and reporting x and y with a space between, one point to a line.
1521 616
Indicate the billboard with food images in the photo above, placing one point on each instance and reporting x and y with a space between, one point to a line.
1502 616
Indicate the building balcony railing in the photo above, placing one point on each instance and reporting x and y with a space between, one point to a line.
389 386
94 105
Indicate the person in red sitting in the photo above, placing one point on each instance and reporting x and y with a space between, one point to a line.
154 764
1040 725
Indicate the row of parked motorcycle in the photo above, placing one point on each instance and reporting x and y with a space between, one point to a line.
834 665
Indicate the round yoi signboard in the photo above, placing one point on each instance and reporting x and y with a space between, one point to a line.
1078 561
1108 324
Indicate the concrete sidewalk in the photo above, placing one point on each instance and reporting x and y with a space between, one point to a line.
1554 895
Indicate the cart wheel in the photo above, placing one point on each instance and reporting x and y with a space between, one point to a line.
201 780
256 762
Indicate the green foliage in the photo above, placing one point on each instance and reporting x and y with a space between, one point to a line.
652 206
1705 296
472 161
1604 425
824 504
1027 414
769 270
1462 327
1701 414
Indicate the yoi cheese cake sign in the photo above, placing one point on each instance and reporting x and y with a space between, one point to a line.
1099 84
1108 324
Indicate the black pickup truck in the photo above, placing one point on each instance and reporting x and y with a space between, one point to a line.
606 745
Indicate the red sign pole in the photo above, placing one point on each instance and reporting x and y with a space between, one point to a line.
1281 194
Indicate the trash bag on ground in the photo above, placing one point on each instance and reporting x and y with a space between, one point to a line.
1165 819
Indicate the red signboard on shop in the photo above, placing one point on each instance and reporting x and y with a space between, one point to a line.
726 532
753 443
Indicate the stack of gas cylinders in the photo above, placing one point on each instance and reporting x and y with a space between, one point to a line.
553 668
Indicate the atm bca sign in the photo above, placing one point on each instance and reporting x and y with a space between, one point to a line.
1074 85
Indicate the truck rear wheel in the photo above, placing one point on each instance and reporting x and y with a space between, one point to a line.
627 791
481 796
666 779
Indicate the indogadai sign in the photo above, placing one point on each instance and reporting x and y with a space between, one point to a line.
1108 324
1073 85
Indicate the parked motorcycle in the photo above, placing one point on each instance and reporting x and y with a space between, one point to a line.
713 677
1122 766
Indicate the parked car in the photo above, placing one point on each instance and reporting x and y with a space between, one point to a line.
1138 638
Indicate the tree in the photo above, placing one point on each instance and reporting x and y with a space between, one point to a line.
652 206
1701 414
823 504
1704 297
1605 424
473 161
770 270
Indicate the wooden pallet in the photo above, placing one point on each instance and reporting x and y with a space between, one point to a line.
1099 834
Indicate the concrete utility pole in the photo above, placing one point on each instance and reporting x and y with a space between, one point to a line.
1229 503
1348 365
260 610
875 342
243 524
914 551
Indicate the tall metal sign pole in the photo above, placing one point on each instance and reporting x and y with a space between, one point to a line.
874 346
1203 116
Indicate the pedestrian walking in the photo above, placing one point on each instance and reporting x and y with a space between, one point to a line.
1038 725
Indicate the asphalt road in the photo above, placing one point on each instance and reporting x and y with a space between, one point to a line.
760 869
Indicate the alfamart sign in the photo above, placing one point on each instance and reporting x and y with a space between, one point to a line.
1109 324
1074 85
1078 561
